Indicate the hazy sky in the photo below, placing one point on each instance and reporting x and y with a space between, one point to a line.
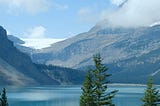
65 18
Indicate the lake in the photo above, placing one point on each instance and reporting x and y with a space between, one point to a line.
68 95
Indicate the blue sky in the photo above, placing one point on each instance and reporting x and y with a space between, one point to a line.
66 18
51 18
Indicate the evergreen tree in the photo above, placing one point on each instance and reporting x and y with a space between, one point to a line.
100 83
3 98
151 94
95 86
87 97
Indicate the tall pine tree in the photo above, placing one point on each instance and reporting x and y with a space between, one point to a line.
101 84
95 86
151 94
87 97
3 98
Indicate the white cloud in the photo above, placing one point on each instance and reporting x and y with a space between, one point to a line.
60 6
135 13
29 6
36 32
17 7
117 2
35 38
87 15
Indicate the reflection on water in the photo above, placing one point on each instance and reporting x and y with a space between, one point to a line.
44 96
67 95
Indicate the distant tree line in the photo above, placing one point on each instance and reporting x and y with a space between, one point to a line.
53 67
63 74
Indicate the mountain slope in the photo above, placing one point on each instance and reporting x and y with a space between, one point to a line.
18 43
9 75
20 61
17 68
132 54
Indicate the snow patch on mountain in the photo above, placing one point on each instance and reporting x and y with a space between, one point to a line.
39 43
156 72
154 24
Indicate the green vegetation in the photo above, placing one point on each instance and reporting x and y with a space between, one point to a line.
3 98
62 74
95 86
87 97
151 94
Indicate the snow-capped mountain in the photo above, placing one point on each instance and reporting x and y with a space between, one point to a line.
36 43
154 24
132 54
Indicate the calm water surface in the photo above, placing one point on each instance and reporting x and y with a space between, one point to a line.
67 95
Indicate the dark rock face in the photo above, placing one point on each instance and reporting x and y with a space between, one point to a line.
15 40
20 61
3 33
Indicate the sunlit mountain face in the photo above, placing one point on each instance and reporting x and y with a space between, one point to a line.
126 51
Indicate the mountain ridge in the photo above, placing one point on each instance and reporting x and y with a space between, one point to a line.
130 51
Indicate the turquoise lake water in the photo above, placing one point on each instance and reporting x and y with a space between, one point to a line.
68 95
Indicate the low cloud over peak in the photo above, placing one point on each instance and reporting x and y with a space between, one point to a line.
123 13
134 13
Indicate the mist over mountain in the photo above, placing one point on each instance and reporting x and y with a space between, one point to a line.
132 54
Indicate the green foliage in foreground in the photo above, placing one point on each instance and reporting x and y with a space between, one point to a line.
95 86
87 97
151 94
3 98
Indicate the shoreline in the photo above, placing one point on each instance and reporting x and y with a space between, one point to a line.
124 84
